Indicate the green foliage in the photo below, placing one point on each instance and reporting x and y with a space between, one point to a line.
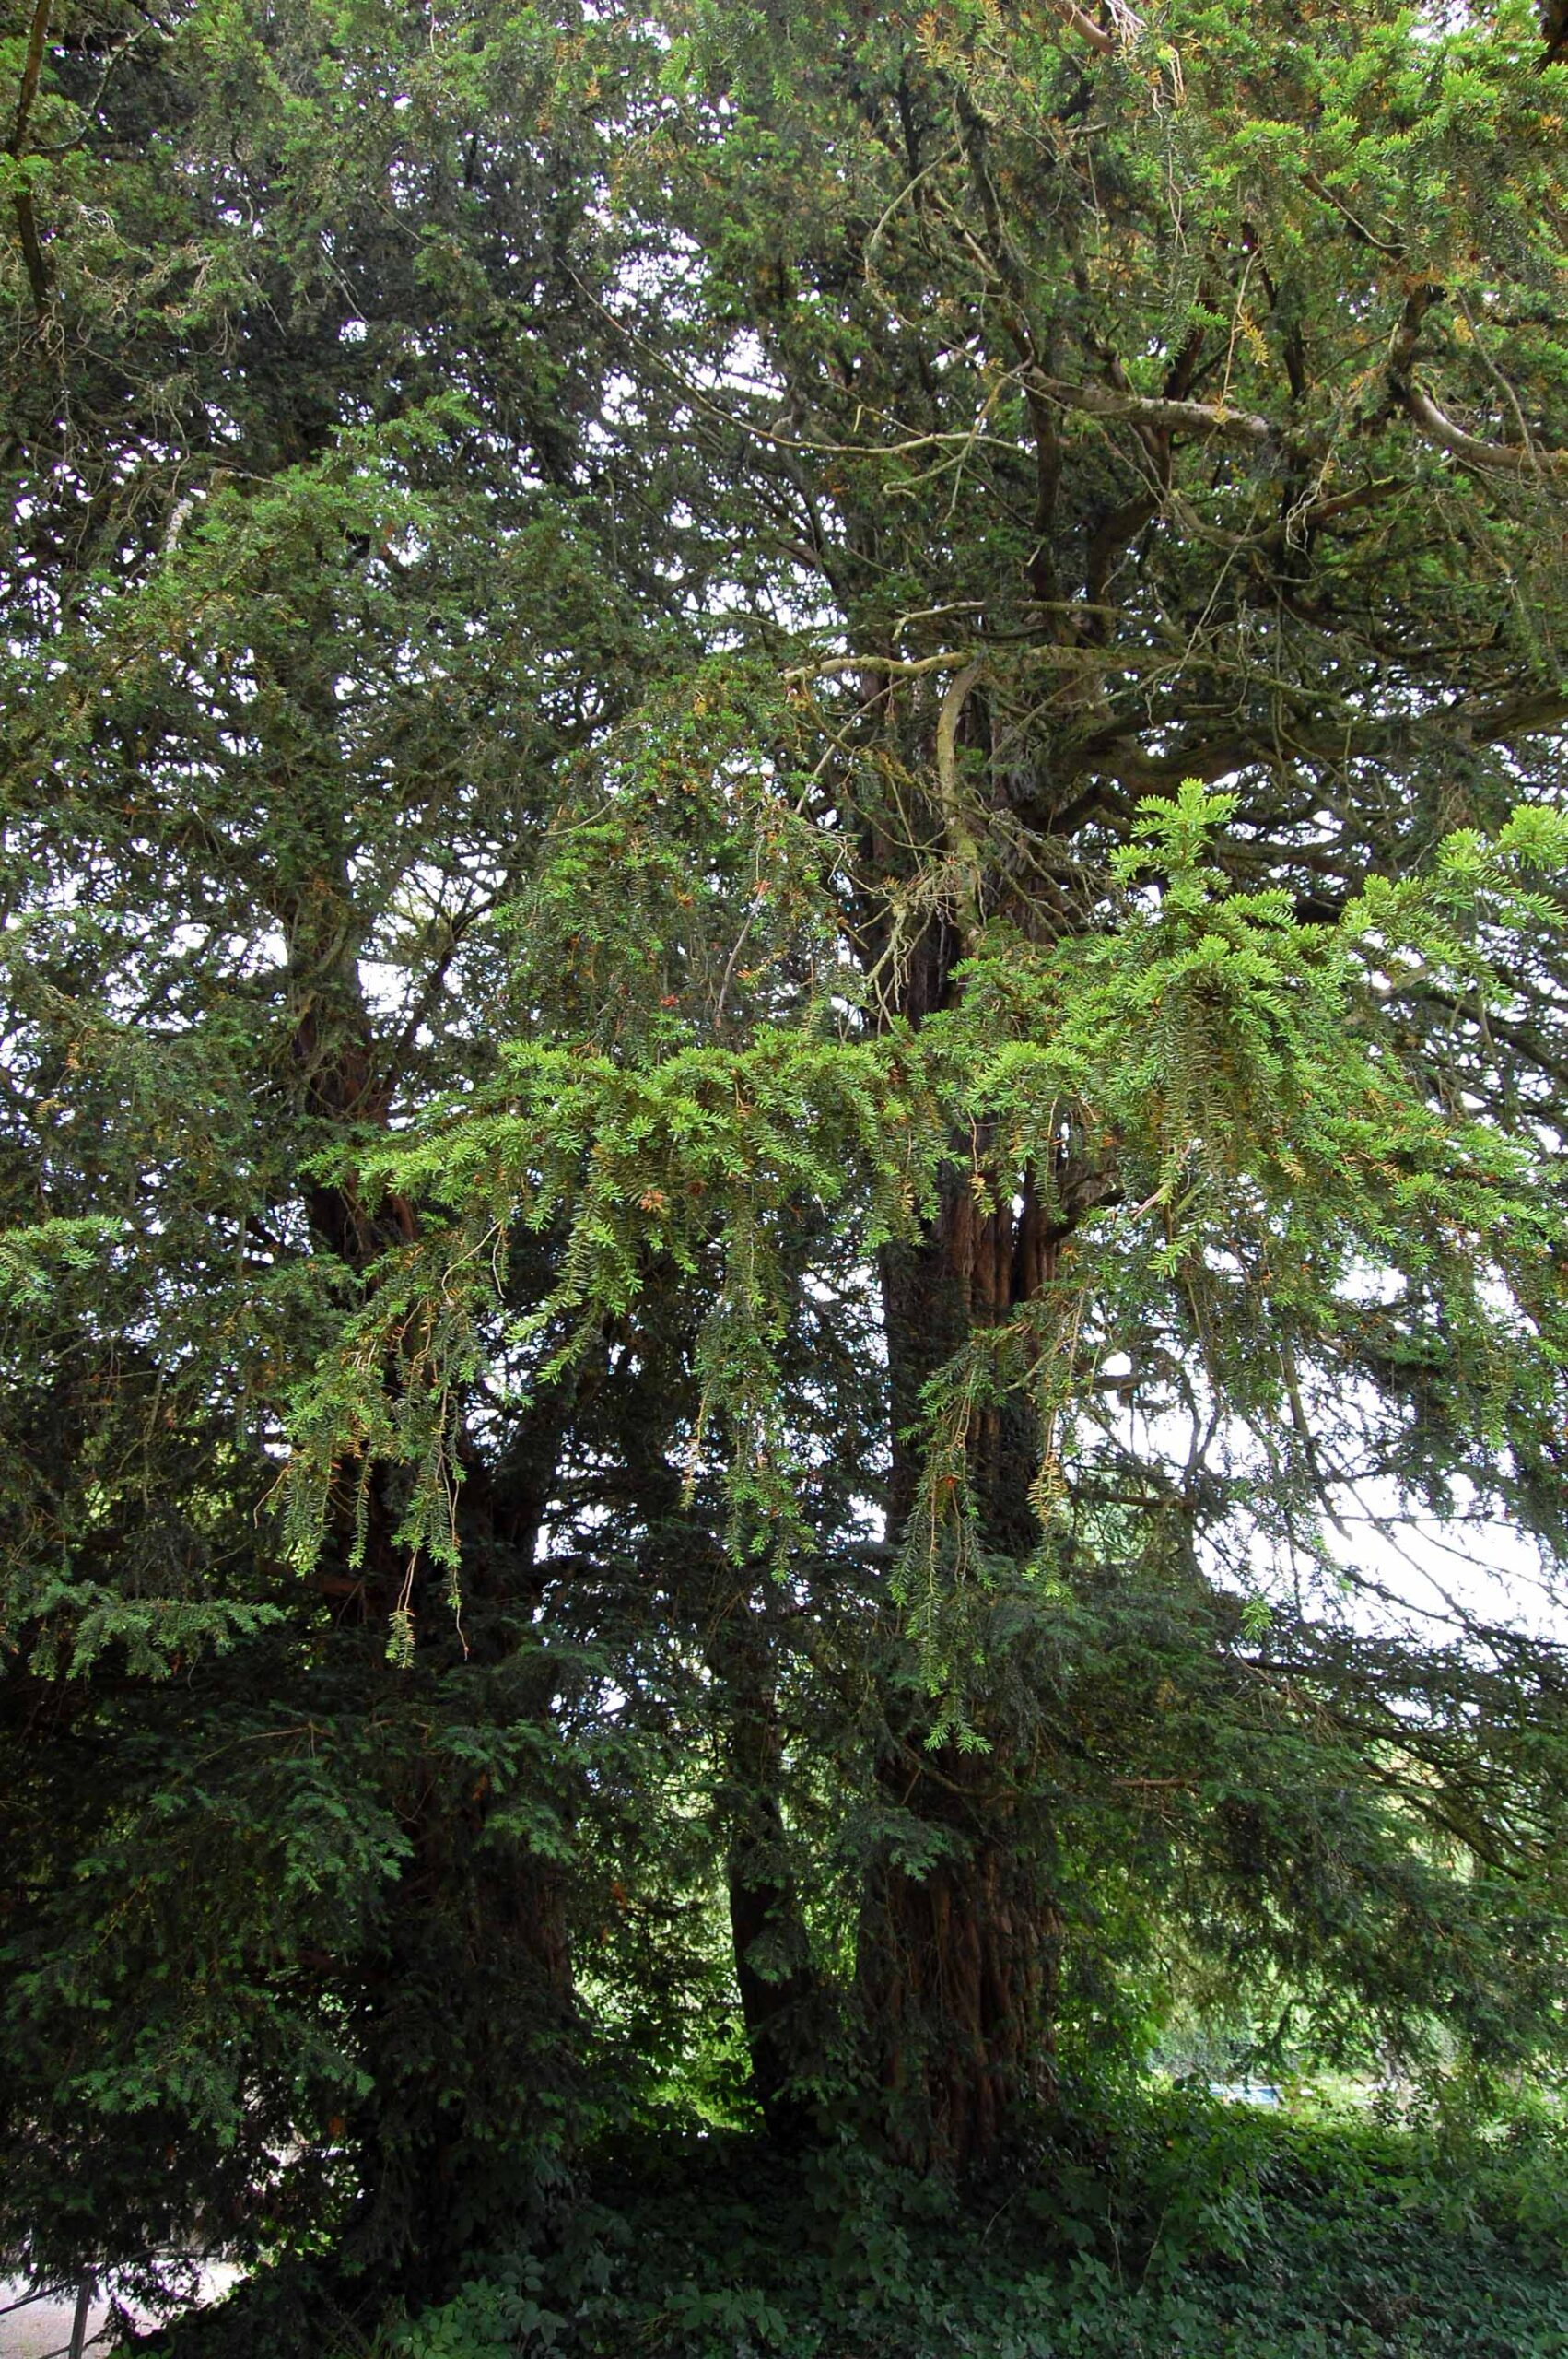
1228 1053
782 838
1215 2230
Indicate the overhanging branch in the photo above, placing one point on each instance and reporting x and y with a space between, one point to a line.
1120 758
1155 412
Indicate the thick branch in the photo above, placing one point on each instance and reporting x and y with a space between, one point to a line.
1517 458
960 835
1119 756
835 666
27 223
32 66
1156 414
1095 35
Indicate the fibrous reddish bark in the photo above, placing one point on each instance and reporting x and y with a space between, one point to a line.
956 1959
957 1970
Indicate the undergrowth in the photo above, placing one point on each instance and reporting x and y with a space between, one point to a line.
1187 2227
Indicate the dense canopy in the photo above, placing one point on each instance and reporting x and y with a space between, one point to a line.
786 1006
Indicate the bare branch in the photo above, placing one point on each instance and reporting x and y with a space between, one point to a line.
1517 458
1156 414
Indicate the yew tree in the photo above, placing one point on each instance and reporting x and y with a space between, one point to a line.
786 986
1136 407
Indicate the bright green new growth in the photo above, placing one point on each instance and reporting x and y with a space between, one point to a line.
1223 1058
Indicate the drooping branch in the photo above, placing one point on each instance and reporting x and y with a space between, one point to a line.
1513 458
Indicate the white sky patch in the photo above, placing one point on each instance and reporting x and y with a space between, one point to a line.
1473 1566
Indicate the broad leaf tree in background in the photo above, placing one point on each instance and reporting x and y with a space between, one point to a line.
785 919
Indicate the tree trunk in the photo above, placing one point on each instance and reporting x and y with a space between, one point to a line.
970 1270
773 1967
774 1974
956 1969
956 1960
464 2136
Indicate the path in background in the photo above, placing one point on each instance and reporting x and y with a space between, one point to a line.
46 2326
